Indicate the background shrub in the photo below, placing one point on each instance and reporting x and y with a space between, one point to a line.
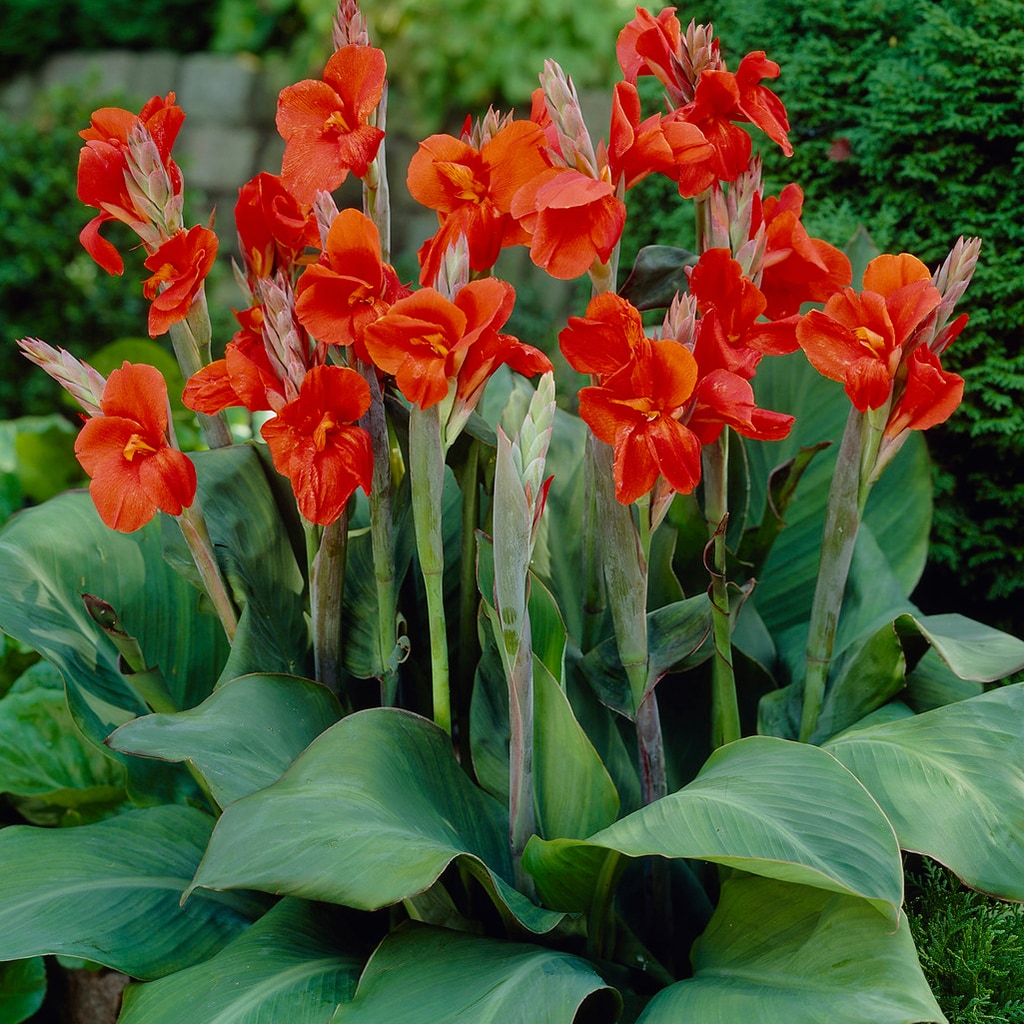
35 29
49 286
906 118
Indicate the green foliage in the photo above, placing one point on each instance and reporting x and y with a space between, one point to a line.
49 286
35 29
927 96
971 947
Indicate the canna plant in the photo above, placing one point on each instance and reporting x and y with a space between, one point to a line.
423 693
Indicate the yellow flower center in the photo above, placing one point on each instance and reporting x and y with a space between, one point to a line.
324 427
136 443
872 341
337 122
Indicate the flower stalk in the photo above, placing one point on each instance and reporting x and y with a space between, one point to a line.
426 478
725 716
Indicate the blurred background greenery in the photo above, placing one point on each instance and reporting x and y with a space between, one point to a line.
905 120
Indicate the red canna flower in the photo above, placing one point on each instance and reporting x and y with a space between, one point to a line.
126 452
721 99
103 165
430 344
638 411
725 399
573 220
608 338
244 377
930 394
656 145
858 338
315 442
797 268
731 335
471 188
325 123
180 266
351 287
274 228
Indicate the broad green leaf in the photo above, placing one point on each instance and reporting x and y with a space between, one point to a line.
970 649
53 553
676 636
770 807
950 781
382 787
863 678
39 452
287 967
933 684
242 737
424 975
658 274
248 527
778 953
574 795
110 892
22 989
44 757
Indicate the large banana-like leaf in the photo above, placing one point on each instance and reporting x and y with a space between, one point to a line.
424 975
778 953
950 781
768 806
372 813
242 737
110 892
287 967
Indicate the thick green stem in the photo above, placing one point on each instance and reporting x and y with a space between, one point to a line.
842 520
522 816
593 578
374 421
197 537
327 590
426 479
468 595
725 714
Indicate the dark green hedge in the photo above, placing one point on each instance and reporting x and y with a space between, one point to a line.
49 286
35 29
928 97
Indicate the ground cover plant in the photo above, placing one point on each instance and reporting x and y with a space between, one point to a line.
434 690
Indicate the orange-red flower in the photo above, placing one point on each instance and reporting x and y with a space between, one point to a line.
797 268
606 339
858 338
315 442
244 377
731 336
638 411
180 266
102 165
654 401
471 189
337 298
274 228
721 99
126 452
655 145
573 220
325 123
930 394
426 342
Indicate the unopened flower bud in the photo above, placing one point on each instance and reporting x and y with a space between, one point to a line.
84 384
